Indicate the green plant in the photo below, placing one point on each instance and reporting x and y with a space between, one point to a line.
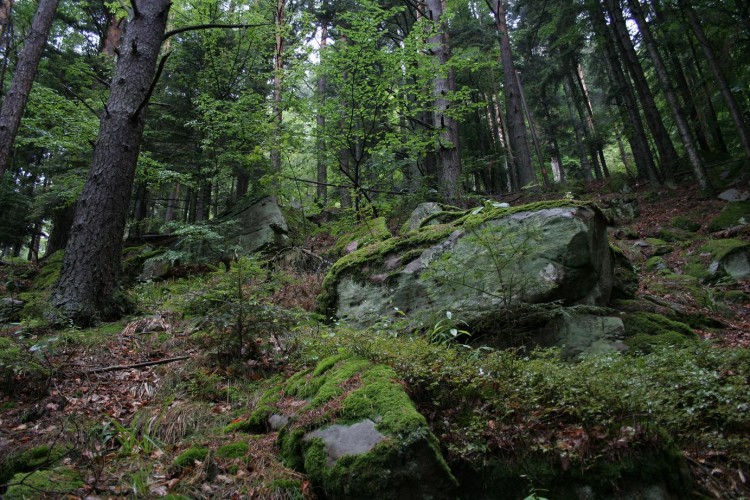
447 330
130 440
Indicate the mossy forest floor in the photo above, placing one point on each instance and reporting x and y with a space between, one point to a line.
78 419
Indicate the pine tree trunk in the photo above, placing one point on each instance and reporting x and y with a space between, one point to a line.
626 99
699 170
514 108
743 132
443 85
667 153
91 267
15 100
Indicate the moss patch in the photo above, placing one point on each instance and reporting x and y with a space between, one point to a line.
644 331
721 248
685 223
733 214
43 483
234 450
368 231
188 457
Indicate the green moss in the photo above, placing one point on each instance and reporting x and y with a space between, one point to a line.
644 331
188 457
659 247
655 263
685 223
50 272
734 213
422 239
234 450
721 248
49 483
367 232
264 408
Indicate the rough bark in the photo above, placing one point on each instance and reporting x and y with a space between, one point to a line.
514 108
443 85
278 67
625 97
743 132
89 277
667 153
111 42
23 78
699 170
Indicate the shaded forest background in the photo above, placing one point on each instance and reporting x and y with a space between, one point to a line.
364 104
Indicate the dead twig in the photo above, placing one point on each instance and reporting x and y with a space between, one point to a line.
137 365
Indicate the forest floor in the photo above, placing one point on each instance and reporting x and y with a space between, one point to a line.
121 404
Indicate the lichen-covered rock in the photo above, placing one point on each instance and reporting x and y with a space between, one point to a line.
580 335
379 445
729 257
419 214
478 266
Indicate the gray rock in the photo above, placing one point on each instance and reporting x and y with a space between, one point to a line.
260 225
420 213
736 264
580 335
528 257
10 309
276 422
341 440
734 194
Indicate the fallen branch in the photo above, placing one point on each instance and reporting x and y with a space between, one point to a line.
137 365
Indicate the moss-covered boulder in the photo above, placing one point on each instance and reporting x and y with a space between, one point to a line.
365 233
51 483
644 330
733 214
487 261
729 257
351 427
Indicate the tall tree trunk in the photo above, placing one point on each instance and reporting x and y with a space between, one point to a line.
173 203
626 99
444 85
699 170
667 153
743 132
23 78
320 147
91 267
514 108
278 67
597 142
578 128
696 78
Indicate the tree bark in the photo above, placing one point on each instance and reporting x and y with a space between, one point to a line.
699 170
626 99
278 66
15 100
667 153
91 267
743 132
443 85
111 42
514 109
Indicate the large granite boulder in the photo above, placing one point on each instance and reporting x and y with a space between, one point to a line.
482 264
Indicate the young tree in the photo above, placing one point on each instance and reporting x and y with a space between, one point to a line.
23 78
89 277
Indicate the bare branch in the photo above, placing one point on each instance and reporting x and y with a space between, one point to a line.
198 27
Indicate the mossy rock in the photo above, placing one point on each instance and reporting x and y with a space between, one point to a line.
685 223
367 232
380 447
50 483
625 282
645 330
733 214
659 246
655 263
729 257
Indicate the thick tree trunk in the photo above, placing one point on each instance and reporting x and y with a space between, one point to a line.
443 85
514 108
625 96
89 277
23 78
667 153
743 132
699 170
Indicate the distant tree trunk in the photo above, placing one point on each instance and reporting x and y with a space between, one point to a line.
15 100
696 78
345 195
667 153
626 99
278 67
170 214
699 170
320 148
514 107
583 129
91 267
443 85
597 144
743 133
